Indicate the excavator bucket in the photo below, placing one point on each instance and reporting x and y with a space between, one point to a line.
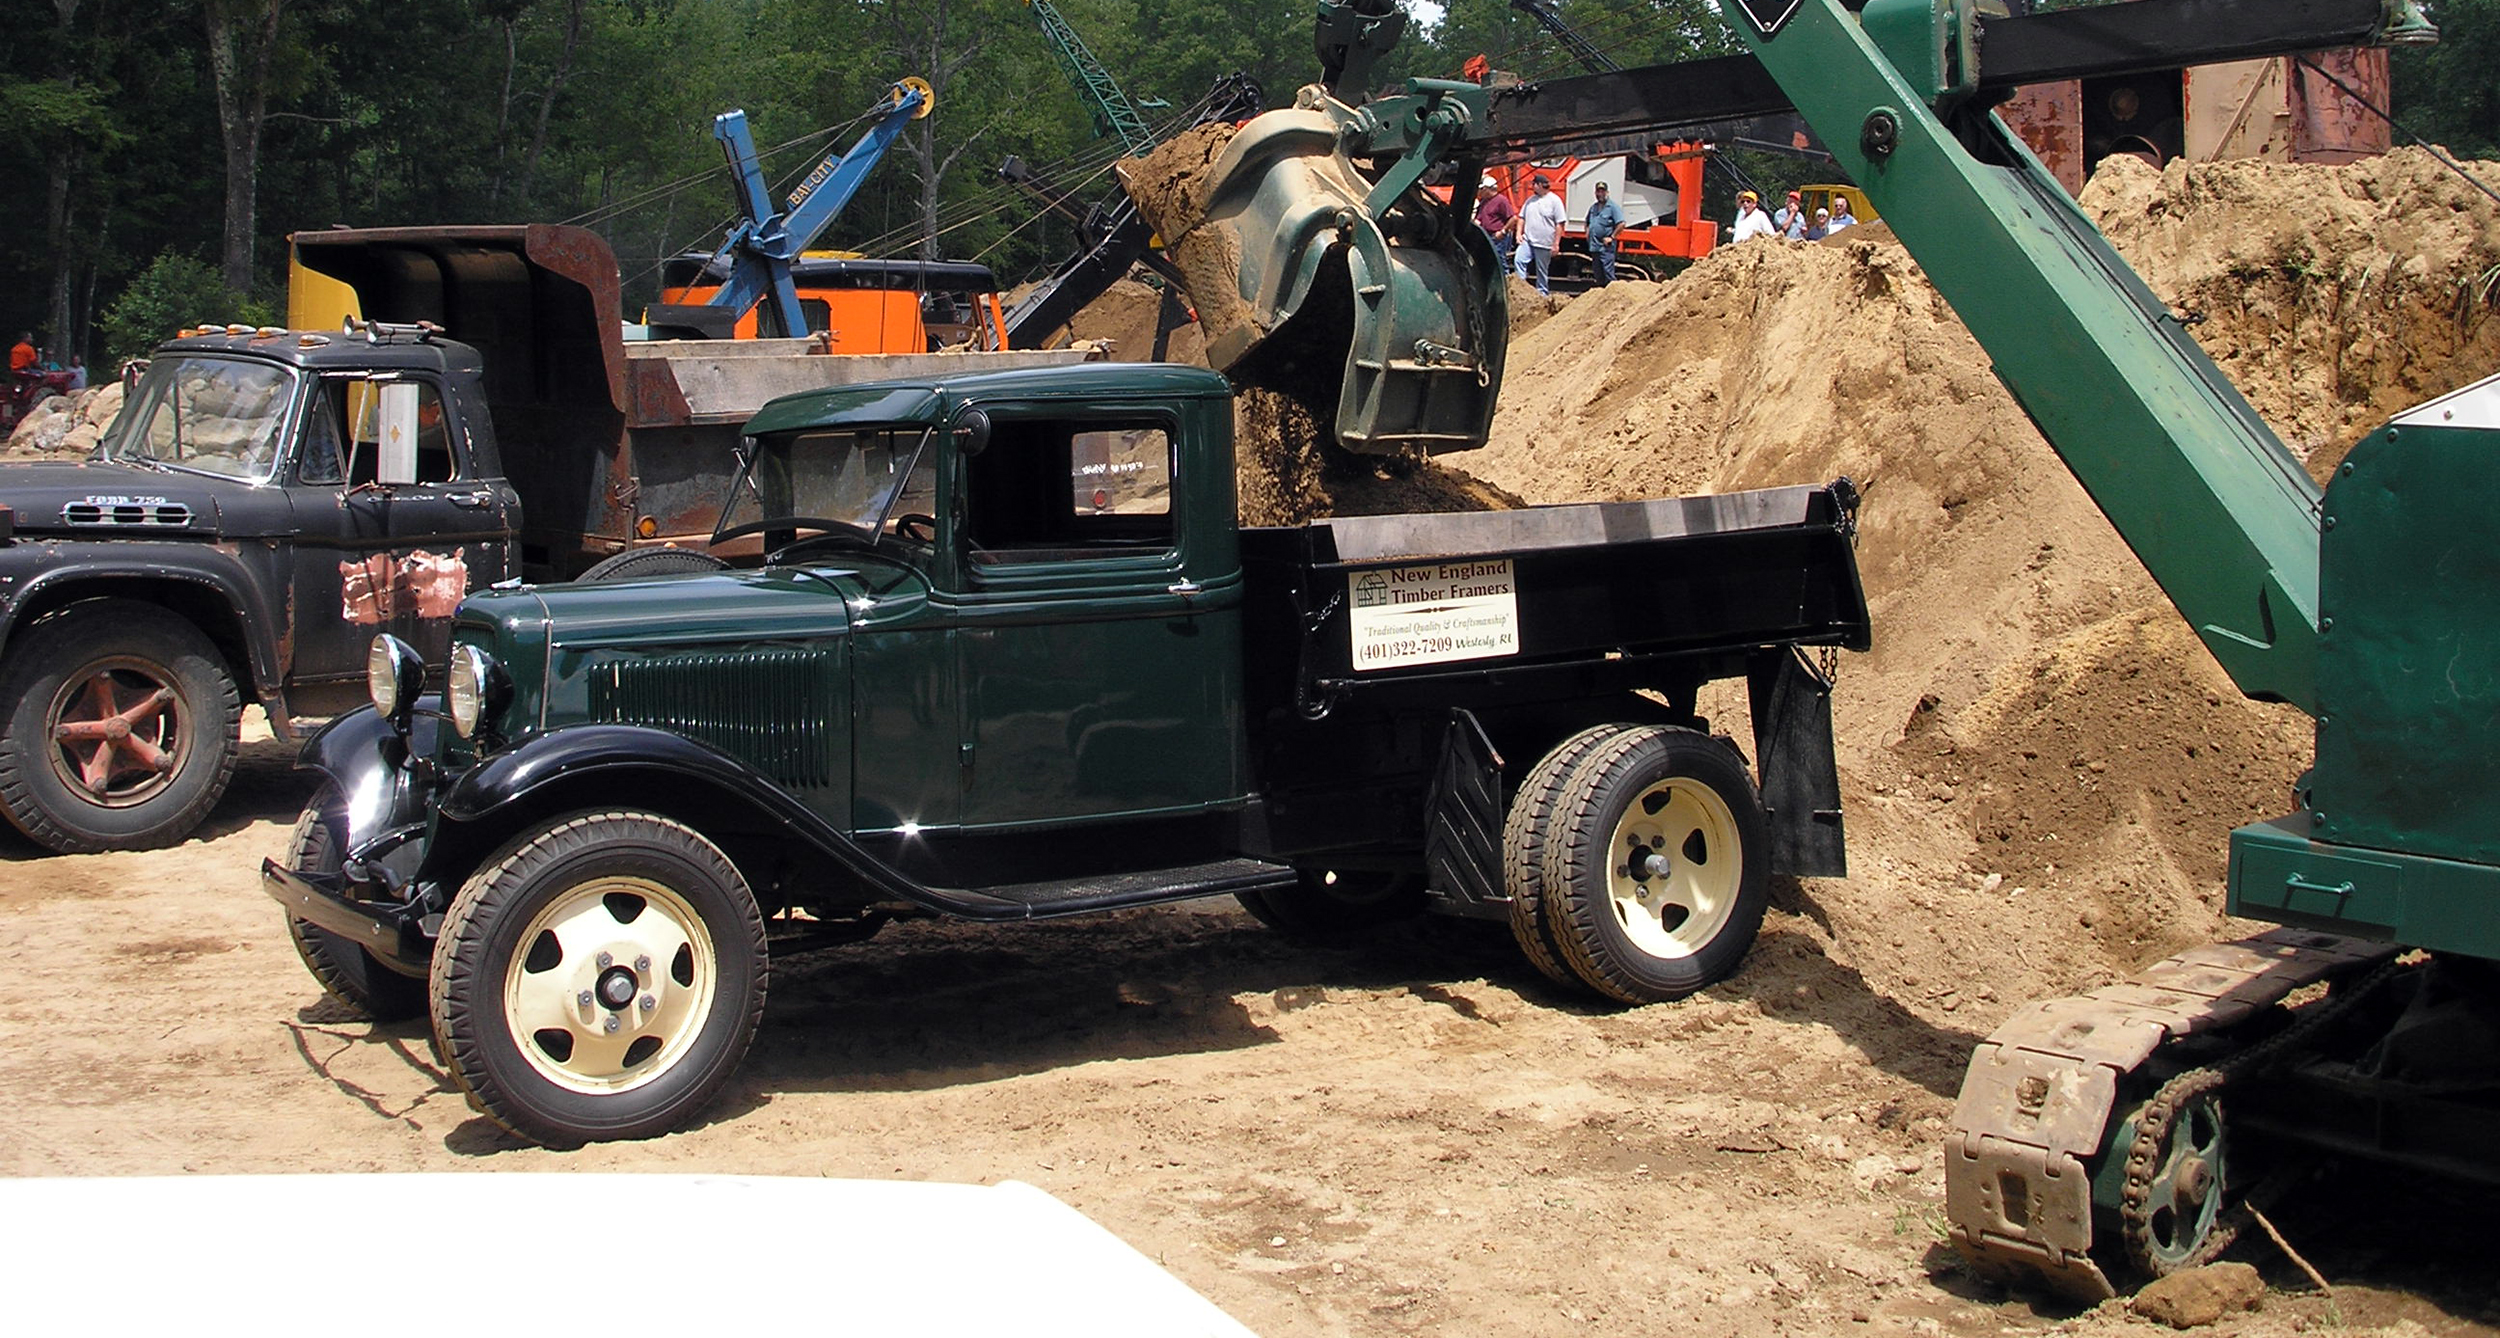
1341 282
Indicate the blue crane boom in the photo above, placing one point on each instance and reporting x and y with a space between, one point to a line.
769 235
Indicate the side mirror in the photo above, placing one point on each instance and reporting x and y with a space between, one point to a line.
972 432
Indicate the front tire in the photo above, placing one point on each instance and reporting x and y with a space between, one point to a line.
351 975
120 732
1656 886
599 979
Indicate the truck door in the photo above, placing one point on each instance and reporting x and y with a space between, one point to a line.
1098 680
388 557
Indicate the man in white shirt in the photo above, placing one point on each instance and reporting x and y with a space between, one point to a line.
1751 222
1540 229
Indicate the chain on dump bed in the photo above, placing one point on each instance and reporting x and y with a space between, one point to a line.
2041 1089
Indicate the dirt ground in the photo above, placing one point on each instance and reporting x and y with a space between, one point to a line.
1413 1133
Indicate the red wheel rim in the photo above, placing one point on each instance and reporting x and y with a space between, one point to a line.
117 732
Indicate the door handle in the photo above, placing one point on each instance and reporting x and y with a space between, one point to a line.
1185 587
479 499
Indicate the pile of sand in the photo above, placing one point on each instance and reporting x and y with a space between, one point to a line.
2041 762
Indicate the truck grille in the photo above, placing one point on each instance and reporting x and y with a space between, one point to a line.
157 515
771 709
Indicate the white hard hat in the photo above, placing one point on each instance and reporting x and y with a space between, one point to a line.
1488 184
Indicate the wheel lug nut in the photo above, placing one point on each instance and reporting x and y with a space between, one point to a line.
585 998
642 966
606 961
649 1003
613 1023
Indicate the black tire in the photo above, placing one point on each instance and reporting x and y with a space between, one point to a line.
351 975
1327 903
636 563
1523 850
1681 914
86 665
501 964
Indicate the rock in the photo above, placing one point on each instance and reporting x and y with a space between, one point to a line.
2199 1296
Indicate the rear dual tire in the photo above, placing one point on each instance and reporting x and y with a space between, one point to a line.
1647 845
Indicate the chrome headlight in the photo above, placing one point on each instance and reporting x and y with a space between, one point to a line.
394 673
476 690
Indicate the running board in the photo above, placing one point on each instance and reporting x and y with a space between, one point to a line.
1110 892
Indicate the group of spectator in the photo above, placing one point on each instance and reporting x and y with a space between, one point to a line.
1525 238
1791 219
26 360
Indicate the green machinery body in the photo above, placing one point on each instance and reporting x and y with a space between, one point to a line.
2373 606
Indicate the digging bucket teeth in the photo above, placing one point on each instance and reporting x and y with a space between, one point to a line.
1314 273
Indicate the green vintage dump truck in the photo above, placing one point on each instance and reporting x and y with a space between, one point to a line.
1011 657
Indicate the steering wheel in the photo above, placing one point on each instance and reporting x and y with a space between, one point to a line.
917 527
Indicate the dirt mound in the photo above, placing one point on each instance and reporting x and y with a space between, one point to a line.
2042 764
2334 297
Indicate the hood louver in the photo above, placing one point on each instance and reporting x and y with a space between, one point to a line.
772 709
128 515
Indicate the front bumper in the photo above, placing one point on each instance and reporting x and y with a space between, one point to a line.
396 935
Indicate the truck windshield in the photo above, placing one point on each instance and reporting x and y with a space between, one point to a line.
864 482
213 415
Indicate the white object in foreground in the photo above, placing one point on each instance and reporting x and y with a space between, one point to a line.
521 1253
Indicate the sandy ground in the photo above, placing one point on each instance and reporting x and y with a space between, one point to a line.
1414 1133
1406 1134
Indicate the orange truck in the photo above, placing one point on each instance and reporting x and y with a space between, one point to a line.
861 305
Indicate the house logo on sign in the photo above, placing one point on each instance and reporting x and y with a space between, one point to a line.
1371 591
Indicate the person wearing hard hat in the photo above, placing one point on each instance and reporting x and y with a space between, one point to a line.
1496 215
1751 222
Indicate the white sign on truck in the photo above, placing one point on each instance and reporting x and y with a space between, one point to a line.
1432 612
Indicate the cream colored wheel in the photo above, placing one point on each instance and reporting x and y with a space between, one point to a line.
601 978
613 983
1675 869
1654 879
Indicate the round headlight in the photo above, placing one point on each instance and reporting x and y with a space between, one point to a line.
394 673
476 689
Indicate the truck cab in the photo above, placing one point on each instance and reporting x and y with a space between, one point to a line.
265 503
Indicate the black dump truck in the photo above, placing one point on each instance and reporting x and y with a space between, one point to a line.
270 499
1011 656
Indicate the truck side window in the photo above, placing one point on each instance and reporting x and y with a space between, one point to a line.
359 404
1047 490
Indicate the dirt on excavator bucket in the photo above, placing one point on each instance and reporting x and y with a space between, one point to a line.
1389 327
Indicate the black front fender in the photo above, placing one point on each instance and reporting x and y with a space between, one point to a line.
383 778
611 755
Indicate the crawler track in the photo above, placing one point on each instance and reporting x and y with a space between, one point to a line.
2035 1113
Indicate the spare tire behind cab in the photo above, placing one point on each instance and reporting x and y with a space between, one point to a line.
636 563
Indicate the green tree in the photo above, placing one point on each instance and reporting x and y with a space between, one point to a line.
2448 93
175 292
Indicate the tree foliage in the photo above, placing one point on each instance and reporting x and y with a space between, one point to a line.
391 112
2449 93
173 293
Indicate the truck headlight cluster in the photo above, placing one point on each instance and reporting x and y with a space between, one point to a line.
394 673
476 690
